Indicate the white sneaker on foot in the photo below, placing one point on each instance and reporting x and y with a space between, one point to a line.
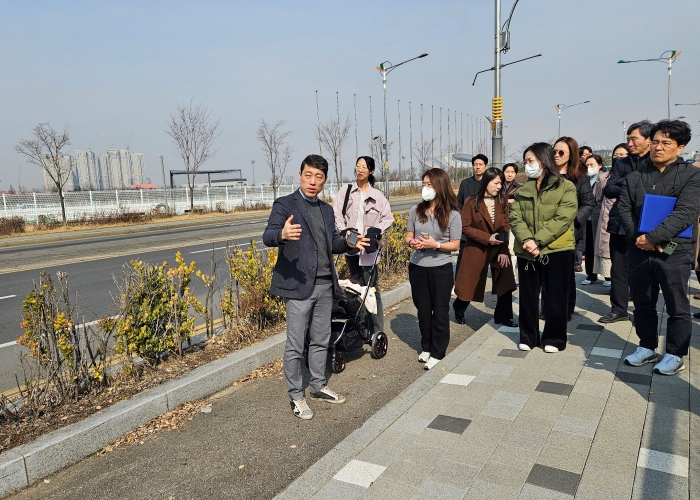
550 348
327 395
524 347
607 283
670 365
301 409
586 282
430 363
641 356
423 357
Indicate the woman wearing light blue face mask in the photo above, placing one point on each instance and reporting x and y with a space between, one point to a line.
542 223
434 232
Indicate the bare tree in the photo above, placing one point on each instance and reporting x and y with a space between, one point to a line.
332 135
375 148
424 153
193 133
45 150
273 142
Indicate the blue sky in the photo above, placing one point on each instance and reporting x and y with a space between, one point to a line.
108 69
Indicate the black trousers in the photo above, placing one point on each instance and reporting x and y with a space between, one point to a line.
552 271
619 289
649 271
361 274
571 301
431 288
502 312
589 251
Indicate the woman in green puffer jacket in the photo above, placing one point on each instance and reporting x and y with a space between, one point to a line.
542 223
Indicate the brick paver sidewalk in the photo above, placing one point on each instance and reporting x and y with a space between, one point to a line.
493 422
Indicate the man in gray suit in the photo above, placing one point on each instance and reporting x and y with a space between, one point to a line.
303 227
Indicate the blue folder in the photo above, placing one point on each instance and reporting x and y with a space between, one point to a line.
655 209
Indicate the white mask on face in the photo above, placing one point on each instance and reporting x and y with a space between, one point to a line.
428 193
592 171
533 170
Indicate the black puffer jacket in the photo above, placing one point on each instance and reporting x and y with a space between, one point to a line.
613 189
680 180
586 204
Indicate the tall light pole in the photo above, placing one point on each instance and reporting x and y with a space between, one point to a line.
666 59
624 131
385 68
252 162
165 186
562 107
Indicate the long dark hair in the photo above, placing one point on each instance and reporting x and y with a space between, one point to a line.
489 175
446 201
544 152
370 166
621 145
574 170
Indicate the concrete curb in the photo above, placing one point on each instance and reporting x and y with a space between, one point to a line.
52 452
316 476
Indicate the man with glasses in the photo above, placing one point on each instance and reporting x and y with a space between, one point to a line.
638 142
662 257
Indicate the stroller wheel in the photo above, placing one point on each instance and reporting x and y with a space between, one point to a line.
339 363
380 344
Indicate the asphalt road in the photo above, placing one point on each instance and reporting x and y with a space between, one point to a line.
251 425
93 263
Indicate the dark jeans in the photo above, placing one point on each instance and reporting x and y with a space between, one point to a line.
503 311
554 276
619 289
571 301
431 288
649 271
589 251
361 274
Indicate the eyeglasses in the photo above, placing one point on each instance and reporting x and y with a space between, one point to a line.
560 152
663 144
362 169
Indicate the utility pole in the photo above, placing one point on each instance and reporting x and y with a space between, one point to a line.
252 162
318 122
165 186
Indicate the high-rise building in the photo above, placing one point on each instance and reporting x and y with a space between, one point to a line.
116 169
86 171
138 169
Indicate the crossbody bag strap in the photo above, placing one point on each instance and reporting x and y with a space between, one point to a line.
345 203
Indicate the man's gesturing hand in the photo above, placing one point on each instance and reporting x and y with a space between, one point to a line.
291 232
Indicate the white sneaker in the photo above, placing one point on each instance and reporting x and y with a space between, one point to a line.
670 365
607 283
301 409
524 347
423 357
550 348
327 395
641 356
430 363
586 282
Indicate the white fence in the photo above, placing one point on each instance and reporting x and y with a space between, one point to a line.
31 206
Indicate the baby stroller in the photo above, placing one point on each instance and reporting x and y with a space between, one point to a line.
352 325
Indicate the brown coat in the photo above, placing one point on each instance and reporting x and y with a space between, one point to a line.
479 255
602 237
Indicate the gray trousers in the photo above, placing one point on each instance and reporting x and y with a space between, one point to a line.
312 313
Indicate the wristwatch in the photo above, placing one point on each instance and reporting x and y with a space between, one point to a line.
438 246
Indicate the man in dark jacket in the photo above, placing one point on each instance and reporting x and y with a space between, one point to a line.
638 141
661 258
468 188
303 227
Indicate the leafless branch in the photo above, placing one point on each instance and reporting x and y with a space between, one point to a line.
273 142
332 135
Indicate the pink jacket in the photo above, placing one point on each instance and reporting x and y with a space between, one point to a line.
377 213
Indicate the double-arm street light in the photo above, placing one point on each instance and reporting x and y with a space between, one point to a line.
385 68
667 58
562 107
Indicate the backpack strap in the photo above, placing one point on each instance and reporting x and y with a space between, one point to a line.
345 203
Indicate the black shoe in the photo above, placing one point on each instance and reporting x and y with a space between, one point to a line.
543 317
459 316
613 318
696 315
507 322
578 268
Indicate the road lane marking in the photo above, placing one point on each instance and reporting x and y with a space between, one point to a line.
224 248
208 250
8 344
8 297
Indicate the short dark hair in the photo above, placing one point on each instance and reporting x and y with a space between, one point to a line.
315 161
515 167
677 130
597 159
481 157
644 128
583 148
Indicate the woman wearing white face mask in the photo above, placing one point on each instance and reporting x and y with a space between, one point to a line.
434 231
594 164
542 222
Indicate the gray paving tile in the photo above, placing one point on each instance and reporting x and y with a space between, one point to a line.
514 456
430 489
532 492
529 440
633 378
409 473
565 451
449 424
498 368
475 456
388 489
592 328
554 388
590 493
513 353
457 474
554 479
481 490
654 484
509 477
604 479
421 455
410 423
434 438
339 490
574 425
506 412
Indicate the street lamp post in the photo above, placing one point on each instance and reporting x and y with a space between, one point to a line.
252 162
562 107
672 55
624 131
385 68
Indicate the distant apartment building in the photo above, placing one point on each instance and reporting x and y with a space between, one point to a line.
116 169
